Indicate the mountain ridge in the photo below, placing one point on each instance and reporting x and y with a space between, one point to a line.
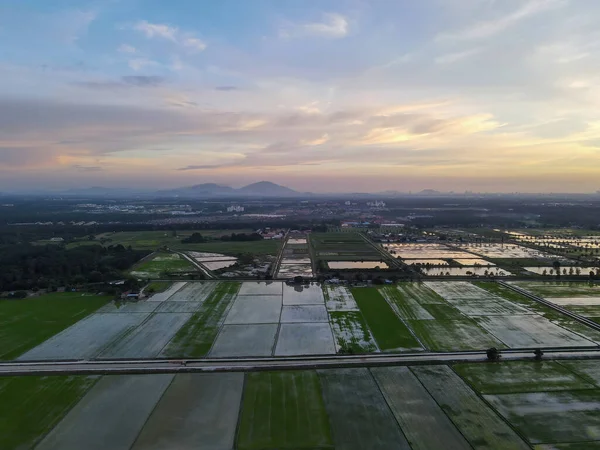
258 189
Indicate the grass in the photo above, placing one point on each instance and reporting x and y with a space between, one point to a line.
405 304
151 240
389 331
453 335
343 247
477 423
163 264
520 376
28 322
283 410
196 337
33 405
264 247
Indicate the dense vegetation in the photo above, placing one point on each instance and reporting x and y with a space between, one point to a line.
26 266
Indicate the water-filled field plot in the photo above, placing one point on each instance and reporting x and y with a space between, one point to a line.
480 425
283 410
304 313
552 417
130 307
197 411
195 338
193 292
405 306
119 403
339 298
521 376
245 340
358 413
255 309
86 338
531 331
167 293
351 333
148 339
311 294
304 339
264 288
506 251
425 251
453 335
416 411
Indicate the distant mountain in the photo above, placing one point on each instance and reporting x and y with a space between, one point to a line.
199 190
260 189
267 189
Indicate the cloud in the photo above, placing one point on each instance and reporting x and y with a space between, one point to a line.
143 80
450 58
81 168
170 33
201 167
313 142
125 48
332 26
485 29
194 44
226 88
152 30
141 63
124 82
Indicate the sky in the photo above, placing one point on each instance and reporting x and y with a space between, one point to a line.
317 95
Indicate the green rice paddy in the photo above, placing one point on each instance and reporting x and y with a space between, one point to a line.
25 323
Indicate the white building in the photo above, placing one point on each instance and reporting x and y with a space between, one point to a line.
235 208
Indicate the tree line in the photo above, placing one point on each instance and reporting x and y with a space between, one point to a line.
26 266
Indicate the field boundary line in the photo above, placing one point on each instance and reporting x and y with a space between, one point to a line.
224 316
582 319
489 405
152 412
389 408
424 347
383 253
440 406
120 337
238 424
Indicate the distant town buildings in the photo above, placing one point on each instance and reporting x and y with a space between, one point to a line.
235 208
376 204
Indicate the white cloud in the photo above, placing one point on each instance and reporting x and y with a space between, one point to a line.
314 142
170 33
332 26
140 63
152 30
194 43
489 28
124 48
450 58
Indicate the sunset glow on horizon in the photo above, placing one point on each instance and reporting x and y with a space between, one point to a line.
321 96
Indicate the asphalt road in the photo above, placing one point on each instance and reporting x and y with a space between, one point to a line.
256 364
